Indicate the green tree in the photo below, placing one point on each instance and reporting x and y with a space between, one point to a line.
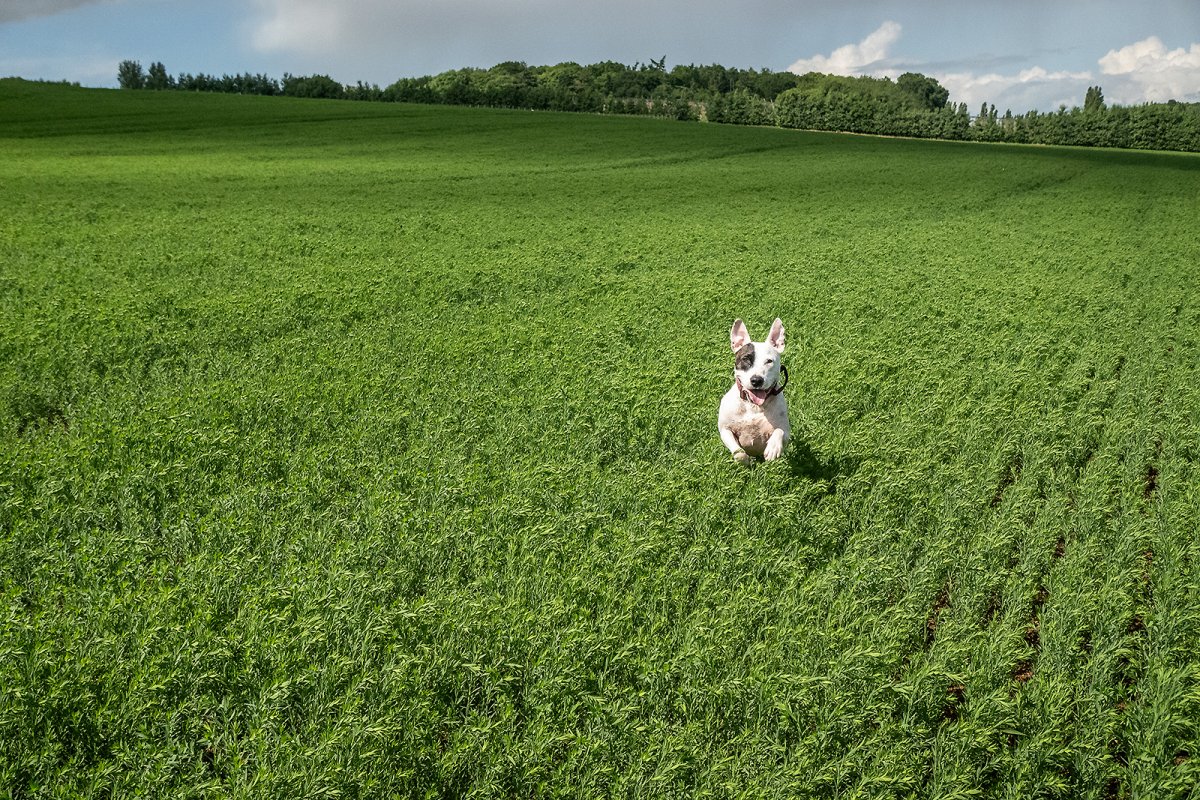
1093 100
567 76
456 86
505 85
158 78
410 90
928 93
308 86
130 75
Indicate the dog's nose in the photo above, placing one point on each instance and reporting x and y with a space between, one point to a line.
756 381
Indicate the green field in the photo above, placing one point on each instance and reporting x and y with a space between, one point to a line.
370 450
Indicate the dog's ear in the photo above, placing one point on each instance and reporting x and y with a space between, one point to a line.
776 337
738 336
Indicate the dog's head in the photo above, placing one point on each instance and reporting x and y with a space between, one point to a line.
756 364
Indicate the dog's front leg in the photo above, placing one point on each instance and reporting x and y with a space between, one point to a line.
775 444
731 441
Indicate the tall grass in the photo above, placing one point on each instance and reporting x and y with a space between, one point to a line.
354 450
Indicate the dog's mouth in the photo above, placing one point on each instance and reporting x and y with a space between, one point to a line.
760 395
756 396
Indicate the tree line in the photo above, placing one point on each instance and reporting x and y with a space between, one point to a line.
912 105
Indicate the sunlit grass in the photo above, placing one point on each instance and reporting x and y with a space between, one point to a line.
367 450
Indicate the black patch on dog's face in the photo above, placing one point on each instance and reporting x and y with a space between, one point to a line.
744 357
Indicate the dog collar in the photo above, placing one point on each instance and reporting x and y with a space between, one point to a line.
778 388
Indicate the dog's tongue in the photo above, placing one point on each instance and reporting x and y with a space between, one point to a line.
757 396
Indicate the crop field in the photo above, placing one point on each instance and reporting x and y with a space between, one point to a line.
368 450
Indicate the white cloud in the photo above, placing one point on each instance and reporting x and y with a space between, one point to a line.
307 26
15 10
854 59
1030 88
1147 71
1033 88
514 25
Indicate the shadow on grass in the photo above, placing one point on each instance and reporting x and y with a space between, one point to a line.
804 463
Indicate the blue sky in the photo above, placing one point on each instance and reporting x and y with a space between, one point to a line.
1017 54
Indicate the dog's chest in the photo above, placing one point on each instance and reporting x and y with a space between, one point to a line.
752 425
752 430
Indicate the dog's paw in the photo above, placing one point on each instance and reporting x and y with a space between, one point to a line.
773 450
743 458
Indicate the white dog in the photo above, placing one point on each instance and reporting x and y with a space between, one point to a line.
754 419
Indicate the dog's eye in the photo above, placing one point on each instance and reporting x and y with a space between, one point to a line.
770 361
